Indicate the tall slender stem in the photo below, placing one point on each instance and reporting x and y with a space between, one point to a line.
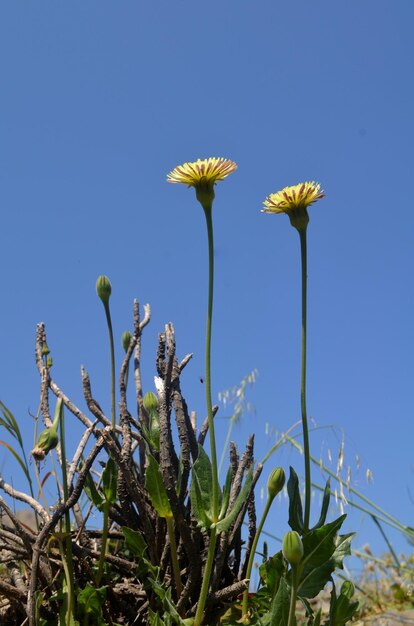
209 220
206 577
253 552
293 596
111 344
302 235
69 554
215 487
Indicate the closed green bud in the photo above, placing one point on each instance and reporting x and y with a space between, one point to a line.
150 402
276 482
348 589
49 361
47 441
45 349
292 547
125 340
104 288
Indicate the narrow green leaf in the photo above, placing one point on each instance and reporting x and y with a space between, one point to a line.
109 481
201 491
280 606
156 489
226 493
17 457
13 426
295 503
325 504
154 619
224 524
93 494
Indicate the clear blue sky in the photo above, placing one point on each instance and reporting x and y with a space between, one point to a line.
99 100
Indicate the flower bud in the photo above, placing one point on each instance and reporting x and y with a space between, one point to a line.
49 362
48 439
150 402
276 482
348 589
292 547
125 340
104 288
45 349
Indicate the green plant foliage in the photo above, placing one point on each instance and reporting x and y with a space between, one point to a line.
320 544
295 503
201 494
224 524
109 481
156 489
342 608
90 601
93 494
325 504
313 580
280 606
271 571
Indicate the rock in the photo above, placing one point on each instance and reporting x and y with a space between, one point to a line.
389 618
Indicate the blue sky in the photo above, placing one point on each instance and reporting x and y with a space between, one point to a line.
101 99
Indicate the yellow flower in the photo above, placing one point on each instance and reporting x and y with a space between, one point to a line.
202 171
294 201
203 175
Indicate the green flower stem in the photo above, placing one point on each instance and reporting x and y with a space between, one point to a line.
69 554
111 343
215 487
215 495
105 527
105 530
174 559
206 577
293 596
253 551
302 235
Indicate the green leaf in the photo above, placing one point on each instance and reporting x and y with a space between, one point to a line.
156 489
342 608
109 481
319 545
134 541
90 600
155 619
325 504
295 503
224 524
92 492
10 423
271 571
280 606
155 430
201 491
17 457
226 493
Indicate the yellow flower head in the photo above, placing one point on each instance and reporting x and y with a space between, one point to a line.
294 201
203 175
